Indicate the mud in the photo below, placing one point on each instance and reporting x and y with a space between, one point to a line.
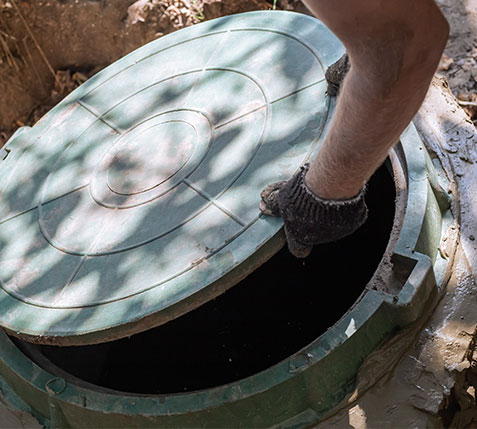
388 278
459 65
426 375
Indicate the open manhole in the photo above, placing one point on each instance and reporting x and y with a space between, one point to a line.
135 259
275 312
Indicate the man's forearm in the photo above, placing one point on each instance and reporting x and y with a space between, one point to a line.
394 49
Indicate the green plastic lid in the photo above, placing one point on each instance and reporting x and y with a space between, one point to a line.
135 200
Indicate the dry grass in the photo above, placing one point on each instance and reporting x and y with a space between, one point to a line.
10 48
15 50
17 53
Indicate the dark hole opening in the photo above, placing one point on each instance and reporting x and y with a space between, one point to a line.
276 311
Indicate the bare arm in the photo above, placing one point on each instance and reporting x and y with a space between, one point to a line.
394 48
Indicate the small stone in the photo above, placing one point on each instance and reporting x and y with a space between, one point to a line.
471 238
445 63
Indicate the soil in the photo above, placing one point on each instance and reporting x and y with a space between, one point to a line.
459 62
49 47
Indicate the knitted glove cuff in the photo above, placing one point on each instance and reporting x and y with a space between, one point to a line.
315 220
336 73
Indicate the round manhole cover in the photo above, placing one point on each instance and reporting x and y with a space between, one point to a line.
136 199
152 157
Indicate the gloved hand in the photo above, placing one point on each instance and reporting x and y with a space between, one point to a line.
308 219
336 73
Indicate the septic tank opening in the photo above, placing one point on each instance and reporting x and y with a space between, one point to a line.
273 313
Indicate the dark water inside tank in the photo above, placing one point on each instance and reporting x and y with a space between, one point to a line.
277 310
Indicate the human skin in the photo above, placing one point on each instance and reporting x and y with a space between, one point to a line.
394 48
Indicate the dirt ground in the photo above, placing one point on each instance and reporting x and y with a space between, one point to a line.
49 47
459 62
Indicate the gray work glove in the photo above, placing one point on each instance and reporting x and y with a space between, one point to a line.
308 219
336 73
